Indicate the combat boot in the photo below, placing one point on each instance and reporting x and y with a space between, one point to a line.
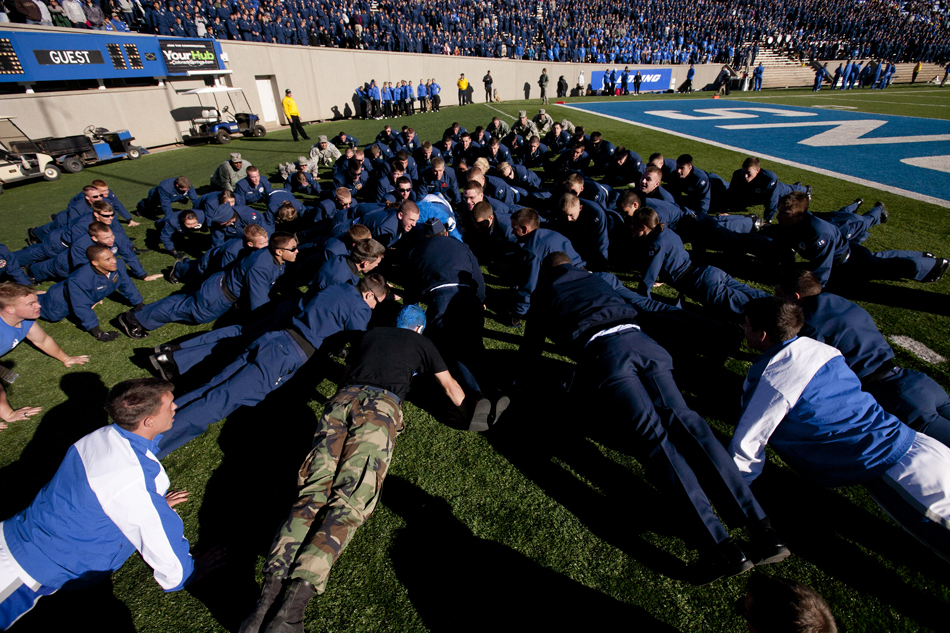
289 618
269 593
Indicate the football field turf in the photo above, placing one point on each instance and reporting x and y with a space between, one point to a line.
543 522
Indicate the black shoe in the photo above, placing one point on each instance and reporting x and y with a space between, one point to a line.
52 217
726 561
31 238
289 617
129 328
167 348
164 365
884 213
767 547
858 201
936 273
757 223
808 191
269 593
171 276
479 421
508 320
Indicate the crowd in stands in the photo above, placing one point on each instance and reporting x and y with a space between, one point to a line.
592 31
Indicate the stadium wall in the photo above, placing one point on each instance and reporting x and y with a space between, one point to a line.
323 81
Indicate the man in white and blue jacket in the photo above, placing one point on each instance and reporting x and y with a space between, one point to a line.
108 499
802 398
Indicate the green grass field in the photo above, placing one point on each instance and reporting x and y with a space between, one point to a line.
544 522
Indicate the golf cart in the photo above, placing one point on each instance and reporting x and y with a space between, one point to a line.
94 145
20 158
221 120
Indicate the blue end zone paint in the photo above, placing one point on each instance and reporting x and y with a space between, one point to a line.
847 152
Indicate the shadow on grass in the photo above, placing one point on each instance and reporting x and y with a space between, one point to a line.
911 297
60 428
448 572
870 554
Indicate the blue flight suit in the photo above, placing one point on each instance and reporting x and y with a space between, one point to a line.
535 246
630 376
170 226
660 194
338 270
348 141
311 188
498 189
529 158
246 193
693 192
221 232
456 136
449 280
502 155
403 143
51 245
79 202
498 244
621 175
524 180
855 227
668 261
277 198
470 154
447 186
161 197
420 157
269 363
215 259
343 179
600 155
252 277
557 143
589 234
915 398
765 189
384 225
10 267
825 246
565 164
83 289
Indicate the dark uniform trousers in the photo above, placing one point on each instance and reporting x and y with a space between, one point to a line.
632 375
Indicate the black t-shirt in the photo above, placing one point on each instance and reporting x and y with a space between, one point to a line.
389 357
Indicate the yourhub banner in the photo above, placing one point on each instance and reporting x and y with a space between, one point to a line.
183 55
653 79
32 56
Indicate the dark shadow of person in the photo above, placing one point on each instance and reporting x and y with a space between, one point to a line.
252 490
846 542
59 429
527 90
443 565
97 602
61 426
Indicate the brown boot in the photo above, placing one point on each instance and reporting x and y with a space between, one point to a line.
269 593
289 618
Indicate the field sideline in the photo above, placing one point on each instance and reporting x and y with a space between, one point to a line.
543 522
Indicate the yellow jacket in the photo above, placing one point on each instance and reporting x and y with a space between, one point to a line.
290 107
462 84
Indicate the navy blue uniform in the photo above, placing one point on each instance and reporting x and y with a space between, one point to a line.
589 234
171 226
823 244
252 277
447 186
622 174
529 158
83 289
631 377
160 198
915 398
384 225
765 189
535 247
52 245
10 267
668 261
245 192
268 364
498 189
343 179
215 259
449 280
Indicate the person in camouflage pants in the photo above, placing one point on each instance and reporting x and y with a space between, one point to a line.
341 479
343 474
